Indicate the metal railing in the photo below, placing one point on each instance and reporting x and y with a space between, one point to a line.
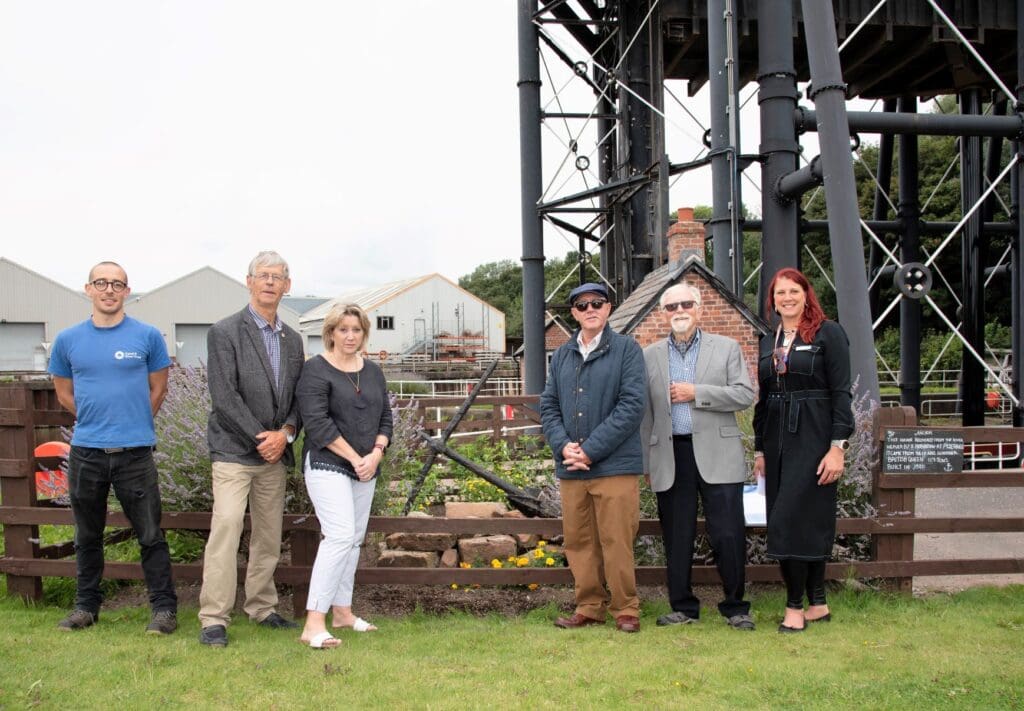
454 388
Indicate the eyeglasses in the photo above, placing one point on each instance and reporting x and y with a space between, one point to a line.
684 305
595 304
267 276
116 284
780 356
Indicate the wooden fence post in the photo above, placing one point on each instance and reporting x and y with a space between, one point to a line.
18 481
304 545
890 501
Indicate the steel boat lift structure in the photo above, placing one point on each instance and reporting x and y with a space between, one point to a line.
896 52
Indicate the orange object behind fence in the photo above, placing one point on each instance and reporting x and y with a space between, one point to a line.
51 480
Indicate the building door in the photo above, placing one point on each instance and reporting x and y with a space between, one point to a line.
190 344
314 346
21 346
419 335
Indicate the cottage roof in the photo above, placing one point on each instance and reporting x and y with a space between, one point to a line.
646 296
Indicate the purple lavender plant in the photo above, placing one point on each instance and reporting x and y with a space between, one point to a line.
182 456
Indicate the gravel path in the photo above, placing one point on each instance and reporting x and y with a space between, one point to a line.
996 502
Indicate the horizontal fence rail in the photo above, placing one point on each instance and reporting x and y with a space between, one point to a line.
28 407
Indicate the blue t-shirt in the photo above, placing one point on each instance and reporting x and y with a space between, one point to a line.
110 370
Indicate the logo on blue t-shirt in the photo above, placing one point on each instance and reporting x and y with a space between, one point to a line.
131 355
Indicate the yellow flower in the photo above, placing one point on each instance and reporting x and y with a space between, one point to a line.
455 586
538 553
495 563
533 586
511 559
464 564
549 561
522 562
541 544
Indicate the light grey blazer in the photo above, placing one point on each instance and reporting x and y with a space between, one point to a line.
722 389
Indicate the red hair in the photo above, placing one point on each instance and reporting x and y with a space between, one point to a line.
813 316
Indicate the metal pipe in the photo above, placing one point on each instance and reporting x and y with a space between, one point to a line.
883 173
895 226
921 124
795 184
1017 252
635 151
776 98
910 251
531 186
829 96
972 287
724 189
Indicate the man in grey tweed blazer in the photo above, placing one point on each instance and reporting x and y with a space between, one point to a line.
254 362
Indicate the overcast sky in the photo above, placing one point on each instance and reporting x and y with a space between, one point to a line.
365 141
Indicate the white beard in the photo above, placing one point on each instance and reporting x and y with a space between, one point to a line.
680 326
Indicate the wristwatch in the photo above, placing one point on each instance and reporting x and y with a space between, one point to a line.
288 435
843 444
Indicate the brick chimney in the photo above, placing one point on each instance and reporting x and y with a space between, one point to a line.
685 237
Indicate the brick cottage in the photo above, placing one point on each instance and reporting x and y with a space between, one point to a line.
724 313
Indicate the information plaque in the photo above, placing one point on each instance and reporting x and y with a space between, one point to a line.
915 451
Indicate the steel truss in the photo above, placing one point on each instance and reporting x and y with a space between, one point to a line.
610 111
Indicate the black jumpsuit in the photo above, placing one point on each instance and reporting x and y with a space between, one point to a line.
796 417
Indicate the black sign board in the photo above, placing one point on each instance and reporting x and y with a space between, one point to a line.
913 451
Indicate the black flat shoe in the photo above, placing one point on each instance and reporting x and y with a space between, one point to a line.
827 617
275 621
783 629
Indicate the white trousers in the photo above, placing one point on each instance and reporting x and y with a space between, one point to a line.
342 506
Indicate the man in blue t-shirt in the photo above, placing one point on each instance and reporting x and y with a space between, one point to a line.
110 371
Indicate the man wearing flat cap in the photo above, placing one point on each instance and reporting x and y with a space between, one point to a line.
591 411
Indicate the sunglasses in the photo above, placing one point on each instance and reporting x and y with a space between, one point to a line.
595 304
780 356
684 305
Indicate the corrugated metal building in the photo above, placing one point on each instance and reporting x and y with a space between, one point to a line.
33 309
429 315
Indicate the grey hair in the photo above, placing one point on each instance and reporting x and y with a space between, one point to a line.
694 292
268 258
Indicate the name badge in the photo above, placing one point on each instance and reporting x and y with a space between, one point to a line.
803 348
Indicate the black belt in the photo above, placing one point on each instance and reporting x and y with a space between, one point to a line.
116 450
683 437
794 398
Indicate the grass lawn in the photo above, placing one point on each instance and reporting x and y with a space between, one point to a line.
881 651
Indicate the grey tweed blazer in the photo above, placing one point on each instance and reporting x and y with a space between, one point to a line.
244 398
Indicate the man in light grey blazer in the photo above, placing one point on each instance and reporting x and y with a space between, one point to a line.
696 383
254 362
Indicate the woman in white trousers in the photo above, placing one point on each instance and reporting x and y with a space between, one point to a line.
345 408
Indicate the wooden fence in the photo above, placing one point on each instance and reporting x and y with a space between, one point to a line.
25 407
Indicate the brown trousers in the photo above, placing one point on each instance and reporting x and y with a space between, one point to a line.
600 518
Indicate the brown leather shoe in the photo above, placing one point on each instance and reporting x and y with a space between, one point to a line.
577 620
627 623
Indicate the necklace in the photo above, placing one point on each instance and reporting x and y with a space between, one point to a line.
355 383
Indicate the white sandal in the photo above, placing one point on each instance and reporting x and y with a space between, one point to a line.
321 640
361 625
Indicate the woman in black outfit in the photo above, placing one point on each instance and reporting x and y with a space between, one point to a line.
802 420
345 409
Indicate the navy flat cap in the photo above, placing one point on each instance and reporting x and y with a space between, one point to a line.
589 288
